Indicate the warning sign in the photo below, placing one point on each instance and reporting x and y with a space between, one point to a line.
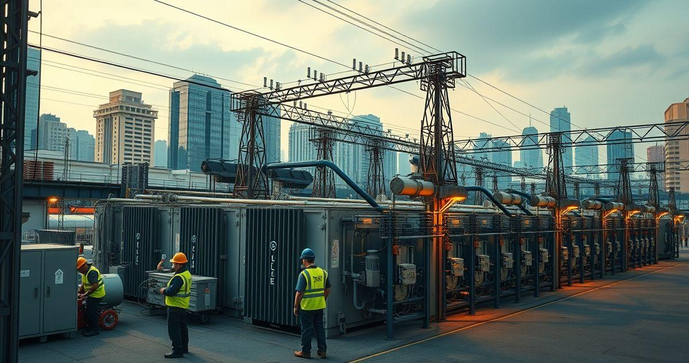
335 254
59 277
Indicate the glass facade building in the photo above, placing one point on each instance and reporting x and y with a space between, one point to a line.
619 146
201 124
33 63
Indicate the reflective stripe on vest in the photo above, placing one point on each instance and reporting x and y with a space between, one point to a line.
100 291
181 299
314 298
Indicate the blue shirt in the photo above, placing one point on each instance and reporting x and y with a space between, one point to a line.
301 281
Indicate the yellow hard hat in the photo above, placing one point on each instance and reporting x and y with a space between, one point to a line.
179 258
80 262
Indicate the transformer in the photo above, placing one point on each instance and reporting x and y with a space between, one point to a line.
202 295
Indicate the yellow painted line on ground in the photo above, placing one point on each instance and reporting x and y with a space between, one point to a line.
507 316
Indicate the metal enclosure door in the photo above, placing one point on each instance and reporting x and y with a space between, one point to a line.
30 293
60 291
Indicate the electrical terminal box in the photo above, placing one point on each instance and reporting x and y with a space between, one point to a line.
507 260
456 266
483 263
407 273
527 258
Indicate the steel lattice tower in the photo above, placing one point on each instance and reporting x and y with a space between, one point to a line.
437 154
653 193
13 99
496 187
555 183
375 184
324 179
251 181
624 185
478 197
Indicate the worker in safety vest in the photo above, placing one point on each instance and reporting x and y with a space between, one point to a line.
93 290
313 288
177 300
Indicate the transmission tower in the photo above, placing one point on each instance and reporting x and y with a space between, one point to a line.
577 191
478 197
653 197
251 181
496 187
437 154
624 185
523 184
375 184
555 182
324 179
672 198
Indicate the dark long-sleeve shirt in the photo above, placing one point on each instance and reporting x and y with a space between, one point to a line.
176 283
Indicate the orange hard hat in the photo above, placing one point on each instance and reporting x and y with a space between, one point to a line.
179 257
80 262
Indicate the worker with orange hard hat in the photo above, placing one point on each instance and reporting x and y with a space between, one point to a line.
93 290
177 301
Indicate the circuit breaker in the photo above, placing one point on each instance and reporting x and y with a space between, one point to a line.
564 252
483 263
527 258
407 273
587 251
575 251
456 265
507 260
543 256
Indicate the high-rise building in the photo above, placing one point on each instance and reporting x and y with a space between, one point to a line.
201 125
677 149
160 154
33 62
497 156
272 130
619 146
362 153
560 121
656 154
51 133
403 165
81 144
530 158
300 148
125 129
587 154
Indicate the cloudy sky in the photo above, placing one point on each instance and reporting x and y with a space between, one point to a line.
613 62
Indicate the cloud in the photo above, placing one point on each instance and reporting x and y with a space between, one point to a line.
643 57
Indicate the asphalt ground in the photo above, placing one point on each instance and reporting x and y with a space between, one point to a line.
639 315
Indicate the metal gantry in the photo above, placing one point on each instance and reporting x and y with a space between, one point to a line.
12 99
602 135
324 179
251 182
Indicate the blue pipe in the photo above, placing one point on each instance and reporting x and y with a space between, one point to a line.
490 196
333 167
527 198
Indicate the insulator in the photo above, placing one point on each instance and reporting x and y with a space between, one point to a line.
403 56
354 64
315 75
265 81
397 53
361 67
308 72
271 84
408 59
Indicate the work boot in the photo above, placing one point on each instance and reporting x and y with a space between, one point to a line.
321 354
174 355
90 333
300 354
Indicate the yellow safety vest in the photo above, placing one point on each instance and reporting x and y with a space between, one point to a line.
100 291
314 298
181 299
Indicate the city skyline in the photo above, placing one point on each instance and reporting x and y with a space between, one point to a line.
548 70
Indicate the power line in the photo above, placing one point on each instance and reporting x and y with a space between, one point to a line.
308 53
139 58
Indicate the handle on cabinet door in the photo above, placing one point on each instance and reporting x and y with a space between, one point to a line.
35 293
47 291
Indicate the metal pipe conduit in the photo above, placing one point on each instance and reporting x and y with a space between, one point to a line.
333 167
490 196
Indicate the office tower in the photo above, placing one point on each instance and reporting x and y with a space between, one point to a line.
125 129
530 157
587 155
33 63
160 154
619 146
560 121
677 149
201 125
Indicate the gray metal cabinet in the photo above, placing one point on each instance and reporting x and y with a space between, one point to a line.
48 292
